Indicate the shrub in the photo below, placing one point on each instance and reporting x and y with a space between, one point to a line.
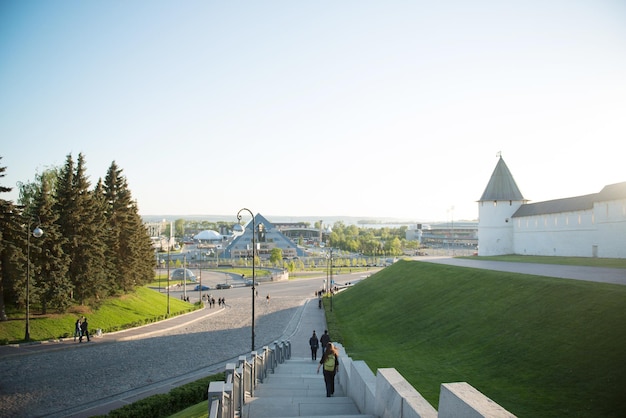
164 405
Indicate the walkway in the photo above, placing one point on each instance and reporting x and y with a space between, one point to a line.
123 367
592 274
144 331
295 389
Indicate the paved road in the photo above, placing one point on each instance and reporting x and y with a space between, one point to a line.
593 274
68 379
80 380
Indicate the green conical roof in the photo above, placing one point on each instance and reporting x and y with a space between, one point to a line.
501 185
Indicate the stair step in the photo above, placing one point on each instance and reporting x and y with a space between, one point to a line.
268 407
295 389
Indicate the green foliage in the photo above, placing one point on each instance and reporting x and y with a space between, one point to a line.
368 241
199 410
164 405
138 308
276 256
94 243
130 247
179 228
78 221
537 346
54 287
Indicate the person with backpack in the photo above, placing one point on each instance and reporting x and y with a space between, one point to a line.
314 343
330 362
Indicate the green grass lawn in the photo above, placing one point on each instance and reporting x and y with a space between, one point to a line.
199 410
540 347
161 275
138 308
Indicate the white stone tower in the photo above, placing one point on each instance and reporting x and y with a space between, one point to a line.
499 202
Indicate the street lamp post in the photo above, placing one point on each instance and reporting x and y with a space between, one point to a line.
327 282
200 285
332 290
253 269
169 242
185 276
37 233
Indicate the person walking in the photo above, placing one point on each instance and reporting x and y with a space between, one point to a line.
314 343
325 339
84 328
330 362
77 329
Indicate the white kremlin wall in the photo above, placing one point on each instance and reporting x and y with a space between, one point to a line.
495 228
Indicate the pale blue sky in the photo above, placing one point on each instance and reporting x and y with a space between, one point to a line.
317 108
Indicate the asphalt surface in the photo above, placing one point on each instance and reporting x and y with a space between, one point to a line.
592 274
71 379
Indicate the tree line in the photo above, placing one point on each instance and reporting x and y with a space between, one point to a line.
369 241
94 244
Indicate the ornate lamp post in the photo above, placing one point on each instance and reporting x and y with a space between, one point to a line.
238 227
37 233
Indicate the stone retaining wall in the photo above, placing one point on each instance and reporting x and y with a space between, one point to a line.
388 395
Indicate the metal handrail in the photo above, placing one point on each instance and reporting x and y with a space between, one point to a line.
226 398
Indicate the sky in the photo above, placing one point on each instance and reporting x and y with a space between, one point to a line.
374 109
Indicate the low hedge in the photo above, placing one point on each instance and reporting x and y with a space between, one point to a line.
164 405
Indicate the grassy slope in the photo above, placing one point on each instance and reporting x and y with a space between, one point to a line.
537 346
144 305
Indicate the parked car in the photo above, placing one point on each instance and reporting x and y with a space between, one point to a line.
223 286
203 287
249 283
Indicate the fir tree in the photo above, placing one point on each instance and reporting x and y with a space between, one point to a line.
129 243
100 221
11 255
76 208
53 285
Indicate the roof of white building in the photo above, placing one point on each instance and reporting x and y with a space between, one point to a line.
572 204
208 235
501 185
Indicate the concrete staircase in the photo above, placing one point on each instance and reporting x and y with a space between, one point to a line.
296 390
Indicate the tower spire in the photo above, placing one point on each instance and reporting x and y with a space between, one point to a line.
501 185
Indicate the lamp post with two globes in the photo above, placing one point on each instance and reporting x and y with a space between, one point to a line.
37 233
239 228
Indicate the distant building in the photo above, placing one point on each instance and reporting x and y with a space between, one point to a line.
156 231
592 225
414 232
267 238
302 232
208 237
182 275
445 234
